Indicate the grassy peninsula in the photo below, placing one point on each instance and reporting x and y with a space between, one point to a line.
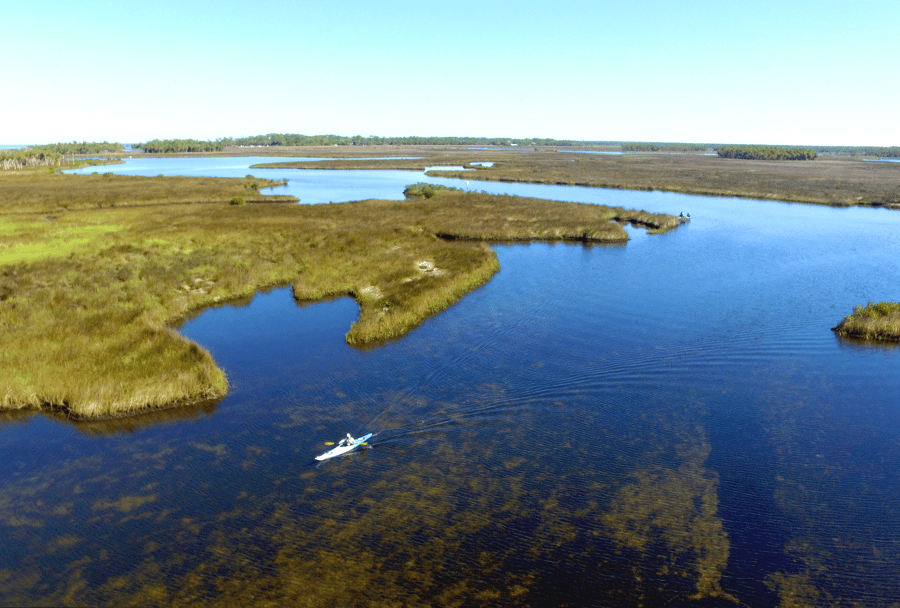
94 269
875 321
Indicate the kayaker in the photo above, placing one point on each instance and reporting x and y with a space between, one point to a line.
348 440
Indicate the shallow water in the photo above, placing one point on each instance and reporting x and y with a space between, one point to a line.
666 422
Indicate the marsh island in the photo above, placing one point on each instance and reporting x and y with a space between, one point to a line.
875 321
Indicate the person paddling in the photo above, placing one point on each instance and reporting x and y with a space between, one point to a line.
348 440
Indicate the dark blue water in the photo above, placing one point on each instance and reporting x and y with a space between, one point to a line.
669 422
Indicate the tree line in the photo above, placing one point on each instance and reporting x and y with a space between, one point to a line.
883 152
297 139
873 151
169 146
766 152
85 147
662 147
174 146
52 155
17 159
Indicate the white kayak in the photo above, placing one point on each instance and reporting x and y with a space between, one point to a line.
344 447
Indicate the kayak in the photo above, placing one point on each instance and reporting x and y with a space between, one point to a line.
343 449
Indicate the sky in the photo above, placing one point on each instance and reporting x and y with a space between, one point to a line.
785 72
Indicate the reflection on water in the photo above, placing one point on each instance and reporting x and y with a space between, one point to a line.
865 345
670 422
130 424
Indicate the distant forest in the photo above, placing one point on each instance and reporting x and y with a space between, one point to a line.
16 159
294 139
172 146
876 151
662 147
52 155
169 146
766 152
74 147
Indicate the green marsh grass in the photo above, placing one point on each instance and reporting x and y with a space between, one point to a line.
89 288
875 321
41 191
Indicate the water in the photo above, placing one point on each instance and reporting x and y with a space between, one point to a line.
311 186
634 425
316 186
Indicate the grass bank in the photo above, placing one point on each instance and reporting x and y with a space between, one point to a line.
879 321
42 191
95 269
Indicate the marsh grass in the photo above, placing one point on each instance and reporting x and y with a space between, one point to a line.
875 321
841 183
40 191
829 181
87 298
471 215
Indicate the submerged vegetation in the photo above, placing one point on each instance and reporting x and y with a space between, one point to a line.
94 269
875 321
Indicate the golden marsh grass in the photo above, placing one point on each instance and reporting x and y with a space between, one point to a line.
879 322
89 284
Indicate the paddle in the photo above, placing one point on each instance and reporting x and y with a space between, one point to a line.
332 443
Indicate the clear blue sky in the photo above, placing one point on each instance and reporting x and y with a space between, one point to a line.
779 72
